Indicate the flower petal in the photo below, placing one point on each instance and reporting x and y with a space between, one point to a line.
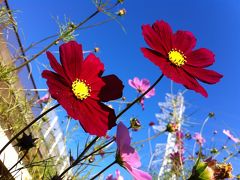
122 137
138 174
95 117
113 88
204 75
200 58
56 66
165 34
58 87
135 83
177 74
71 57
130 156
91 67
184 41
191 83
155 57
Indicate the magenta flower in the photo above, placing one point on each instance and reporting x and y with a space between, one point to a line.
44 99
199 139
141 86
127 156
118 176
230 136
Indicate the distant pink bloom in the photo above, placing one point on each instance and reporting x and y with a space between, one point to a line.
118 176
141 86
127 156
230 136
44 99
198 137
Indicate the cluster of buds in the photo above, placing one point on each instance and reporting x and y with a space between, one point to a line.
210 169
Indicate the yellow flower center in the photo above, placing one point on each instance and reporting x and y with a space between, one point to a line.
177 57
80 89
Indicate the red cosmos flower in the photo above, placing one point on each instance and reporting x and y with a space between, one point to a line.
173 53
79 87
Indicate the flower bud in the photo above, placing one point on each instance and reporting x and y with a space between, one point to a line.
172 127
135 124
121 12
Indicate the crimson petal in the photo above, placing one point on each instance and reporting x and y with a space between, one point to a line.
56 66
113 88
91 67
184 41
58 87
191 83
95 117
165 34
154 56
71 57
200 58
204 75
153 40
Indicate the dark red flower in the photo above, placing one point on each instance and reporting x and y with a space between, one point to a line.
173 53
78 85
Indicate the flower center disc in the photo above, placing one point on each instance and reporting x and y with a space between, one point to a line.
177 57
80 89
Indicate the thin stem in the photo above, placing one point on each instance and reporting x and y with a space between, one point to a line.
103 170
26 127
55 41
97 150
140 97
79 157
148 139
18 161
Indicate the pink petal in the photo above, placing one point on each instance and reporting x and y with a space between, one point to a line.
228 134
138 174
44 99
130 156
122 137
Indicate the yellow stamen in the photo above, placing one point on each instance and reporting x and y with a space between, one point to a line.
80 89
177 57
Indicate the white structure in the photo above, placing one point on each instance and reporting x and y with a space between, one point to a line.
172 111
9 157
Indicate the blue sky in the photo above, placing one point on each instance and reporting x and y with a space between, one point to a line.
215 24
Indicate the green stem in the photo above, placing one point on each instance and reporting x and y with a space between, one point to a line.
103 170
85 157
55 41
79 157
26 127
140 97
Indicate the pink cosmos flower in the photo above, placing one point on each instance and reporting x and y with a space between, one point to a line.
127 156
44 99
198 137
118 176
141 86
230 136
